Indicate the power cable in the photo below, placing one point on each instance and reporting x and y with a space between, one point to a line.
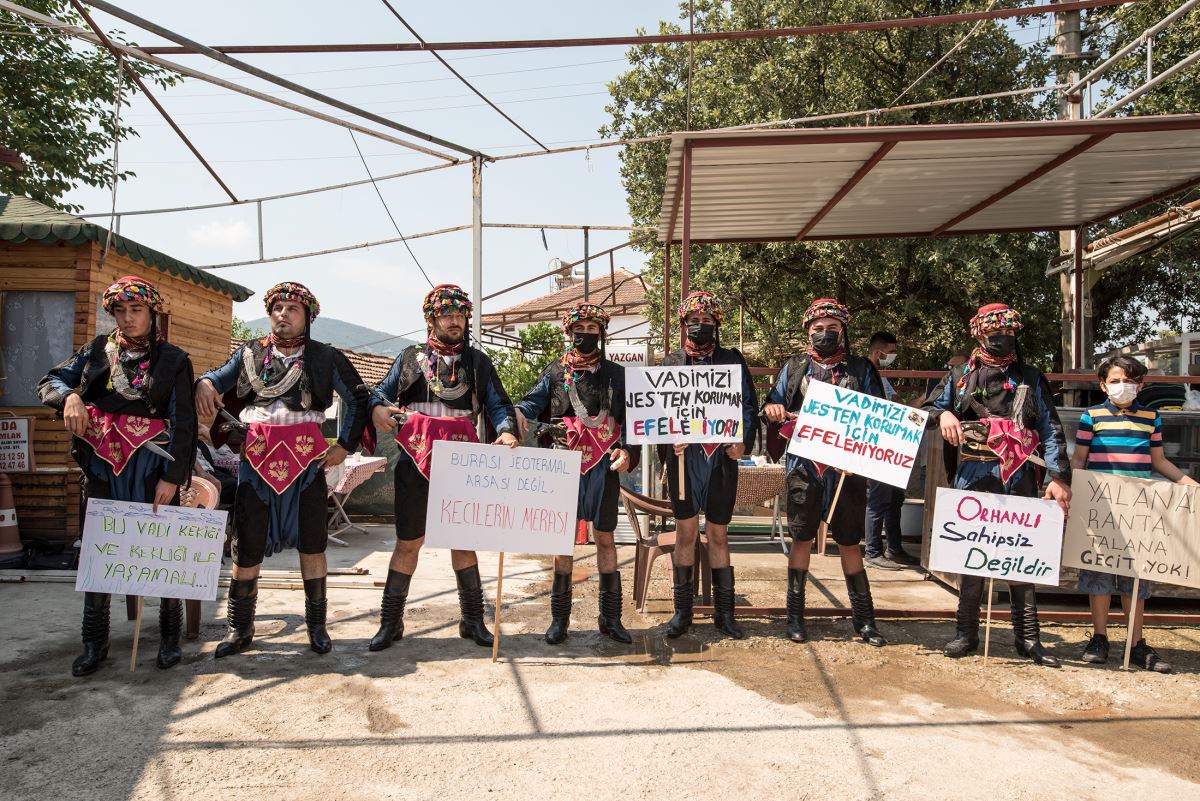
458 75
389 211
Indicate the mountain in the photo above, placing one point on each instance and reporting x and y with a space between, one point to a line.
342 334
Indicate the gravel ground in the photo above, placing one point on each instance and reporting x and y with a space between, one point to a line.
699 717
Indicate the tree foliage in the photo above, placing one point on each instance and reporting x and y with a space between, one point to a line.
57 110
519 368
1157 292
925 290
238 330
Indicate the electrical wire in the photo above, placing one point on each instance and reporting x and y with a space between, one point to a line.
389 211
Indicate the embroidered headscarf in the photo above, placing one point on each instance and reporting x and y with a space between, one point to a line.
573 360
440 301
820 309
988 320
701 303
132 289
290 290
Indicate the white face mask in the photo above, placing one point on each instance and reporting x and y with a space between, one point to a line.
1121 394
886 359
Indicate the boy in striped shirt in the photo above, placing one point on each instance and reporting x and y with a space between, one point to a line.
1122 437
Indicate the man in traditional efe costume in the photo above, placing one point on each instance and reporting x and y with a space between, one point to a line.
711 473
813 487
442 386
999 412
587 391
124 396
285 382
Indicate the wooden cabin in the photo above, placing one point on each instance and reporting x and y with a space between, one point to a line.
53 272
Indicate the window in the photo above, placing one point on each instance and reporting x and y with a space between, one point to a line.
35 335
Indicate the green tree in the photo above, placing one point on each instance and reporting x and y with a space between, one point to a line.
57 107
1136 299
923 289
241 332
518 368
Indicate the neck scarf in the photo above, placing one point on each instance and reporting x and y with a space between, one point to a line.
286 342
440 348
119 345
832 360
697 352
981 358
573 361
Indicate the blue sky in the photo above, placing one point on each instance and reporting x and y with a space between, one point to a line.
259 149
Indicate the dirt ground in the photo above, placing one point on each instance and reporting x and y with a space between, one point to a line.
699 717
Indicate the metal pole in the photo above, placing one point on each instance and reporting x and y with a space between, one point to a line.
685 262
477 246
261 253
1068 44
587 273
250 69
1162 77
667 310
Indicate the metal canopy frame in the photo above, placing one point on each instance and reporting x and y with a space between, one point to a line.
1074 139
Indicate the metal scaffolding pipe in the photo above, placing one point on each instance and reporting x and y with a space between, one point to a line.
1145 37
670 38
137 79
342 249
134 52
250 69
1162 77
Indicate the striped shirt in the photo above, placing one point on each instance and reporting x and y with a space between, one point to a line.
1119 440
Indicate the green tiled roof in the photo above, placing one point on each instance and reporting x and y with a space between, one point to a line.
25 220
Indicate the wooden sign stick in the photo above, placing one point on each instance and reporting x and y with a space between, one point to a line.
823 529
137 633
682 477
1131 620
987 622
499 592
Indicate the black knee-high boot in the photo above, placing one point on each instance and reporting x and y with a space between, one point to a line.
316 606
391 610
243 599
966 628
723 599
470 603
685 596
95 633
560 609
862 607
1026 630
796 630
170 622
610 608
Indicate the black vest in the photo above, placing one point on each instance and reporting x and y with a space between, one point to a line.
592 388
317 378
414 388
93 385
856 378
985 395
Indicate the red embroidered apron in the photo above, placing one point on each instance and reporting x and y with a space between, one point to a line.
592 443
420 431
115 437
281 454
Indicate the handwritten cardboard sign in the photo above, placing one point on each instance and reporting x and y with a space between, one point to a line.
665 405
128 549
1134 527
860 433
1006 537
16 444
490 498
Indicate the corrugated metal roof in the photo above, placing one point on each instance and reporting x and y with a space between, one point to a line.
844 183
26 220
629 298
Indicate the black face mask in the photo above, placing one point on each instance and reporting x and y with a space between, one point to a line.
701 333
1001 345
826 343
585 343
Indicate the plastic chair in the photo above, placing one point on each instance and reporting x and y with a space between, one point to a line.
658 542
202 494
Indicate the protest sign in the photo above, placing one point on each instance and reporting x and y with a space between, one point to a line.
131 550
490 498
665 405
16 448
1134 527
1005 537
859 433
